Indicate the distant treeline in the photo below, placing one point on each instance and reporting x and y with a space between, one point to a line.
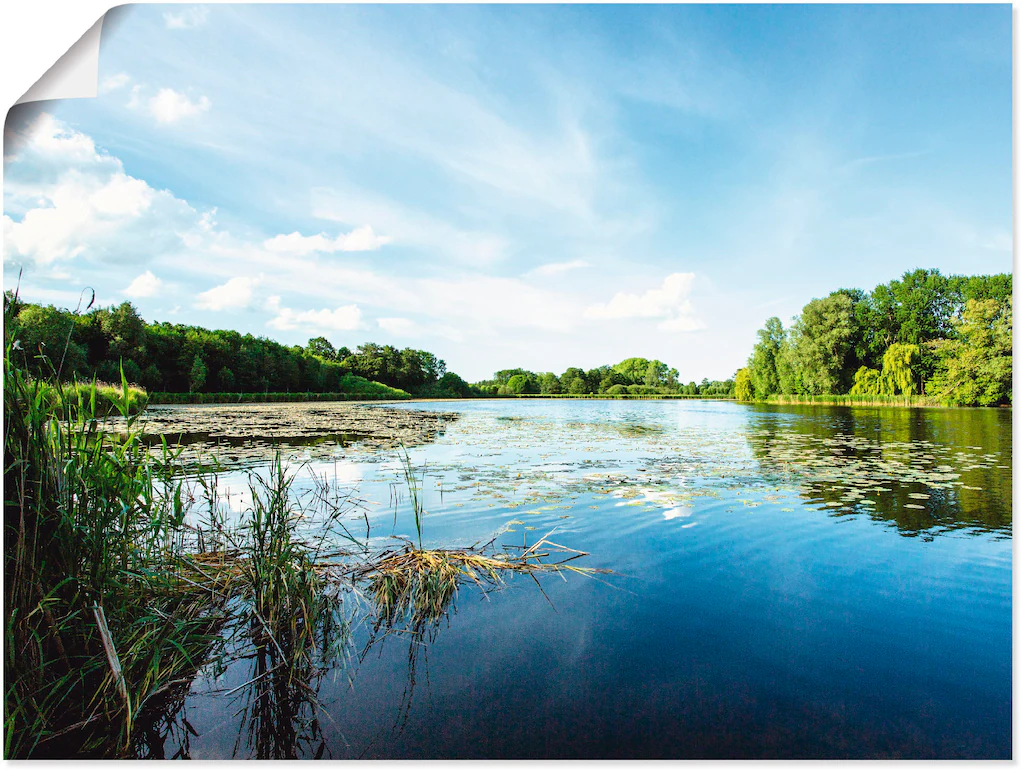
375 392
948 338
635 376
175 358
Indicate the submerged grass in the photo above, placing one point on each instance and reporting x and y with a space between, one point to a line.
418 584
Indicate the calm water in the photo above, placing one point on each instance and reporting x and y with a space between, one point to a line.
789 582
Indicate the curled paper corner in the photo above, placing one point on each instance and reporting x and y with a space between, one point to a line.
75 75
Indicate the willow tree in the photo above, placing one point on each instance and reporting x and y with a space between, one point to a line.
900 369
743 387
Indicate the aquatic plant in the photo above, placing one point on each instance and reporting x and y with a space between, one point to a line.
100 620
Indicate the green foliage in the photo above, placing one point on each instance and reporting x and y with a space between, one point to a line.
578 386
197 374
322 347
744 386
821 340
867 382
899 369
87 534
976 367
451 385
226 379
763 363
178 358
905 337
549 383
520 383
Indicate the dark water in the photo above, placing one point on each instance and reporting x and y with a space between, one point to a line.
790 582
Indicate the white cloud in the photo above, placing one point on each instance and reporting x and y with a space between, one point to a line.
399 326
233 295
554 268
186 18
64 198
408 225
145 285
345 318
360 239
114 82
170 106
669 301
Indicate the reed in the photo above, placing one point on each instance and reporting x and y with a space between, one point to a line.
856 399
116 596
99 623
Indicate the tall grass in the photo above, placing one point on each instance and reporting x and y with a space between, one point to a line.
116 597
99 621
103 398
633 396
854 400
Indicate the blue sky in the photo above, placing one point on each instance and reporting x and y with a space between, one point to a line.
537 186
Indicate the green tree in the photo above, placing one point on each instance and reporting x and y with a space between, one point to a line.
451 385
520 383
226 380
822 338
867 382
549 383
151 378
744 387
321 346
132 372
197 374
578 386
976 367
571 374
900 369
656 373
763 362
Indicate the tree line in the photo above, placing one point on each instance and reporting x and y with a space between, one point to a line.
947 337
177 358
637 376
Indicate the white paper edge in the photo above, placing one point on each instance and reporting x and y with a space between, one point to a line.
75 75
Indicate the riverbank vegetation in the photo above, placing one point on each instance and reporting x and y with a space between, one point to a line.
102 343
926 338
123 581
632 376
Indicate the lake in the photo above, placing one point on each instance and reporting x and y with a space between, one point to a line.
787 582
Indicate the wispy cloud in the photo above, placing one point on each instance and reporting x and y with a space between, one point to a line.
402 327
186 18
360 239
554 268
114 82
407 225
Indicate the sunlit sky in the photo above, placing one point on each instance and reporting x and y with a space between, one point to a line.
535 186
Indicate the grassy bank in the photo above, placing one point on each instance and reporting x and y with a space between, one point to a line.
101 398
627 396
370 391
854 400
